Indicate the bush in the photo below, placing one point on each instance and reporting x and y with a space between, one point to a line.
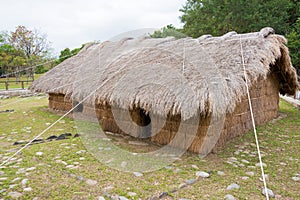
40 70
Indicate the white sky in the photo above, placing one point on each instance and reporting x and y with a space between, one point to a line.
70 23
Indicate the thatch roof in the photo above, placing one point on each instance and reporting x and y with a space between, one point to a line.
180 76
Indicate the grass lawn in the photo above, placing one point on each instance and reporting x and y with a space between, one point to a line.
53 178
17 85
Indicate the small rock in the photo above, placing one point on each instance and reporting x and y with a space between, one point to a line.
101 198
82 158
270 193
81 151
202 174
91 182
52 137
245 161
12 186
64 136
30 169
169 167
122 198
24 182
195 167
233 186
232 159
3 190
229 197
245 178
21 170
15 195
28 189
76 135
39 153
282 163
220 173
123 164
137 174
108 188
182 185
191 181
250 173
131 194
296 178
20 142
266 177
258 165
163 194
69 166
64 163
3 178
16 179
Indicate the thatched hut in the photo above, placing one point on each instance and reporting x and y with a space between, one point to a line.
213 68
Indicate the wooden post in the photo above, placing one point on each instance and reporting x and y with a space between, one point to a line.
22 82
6 85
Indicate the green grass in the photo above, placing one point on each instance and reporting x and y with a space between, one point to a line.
17 85
279 141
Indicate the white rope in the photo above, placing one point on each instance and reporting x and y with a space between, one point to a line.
253 122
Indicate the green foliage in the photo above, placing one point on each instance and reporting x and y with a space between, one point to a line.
294 45
218 17
67 53
40 69
10 58
64 54
168 31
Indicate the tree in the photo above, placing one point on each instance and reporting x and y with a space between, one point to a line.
31 42
168 31
294 45
21 49
11 60
217 17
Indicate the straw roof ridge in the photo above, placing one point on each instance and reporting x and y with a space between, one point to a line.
184 76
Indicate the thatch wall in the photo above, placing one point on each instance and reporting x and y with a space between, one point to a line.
264 98
59 102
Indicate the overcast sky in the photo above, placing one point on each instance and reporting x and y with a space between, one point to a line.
69 23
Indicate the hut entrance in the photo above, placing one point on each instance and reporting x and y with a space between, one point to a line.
79 107
143 121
